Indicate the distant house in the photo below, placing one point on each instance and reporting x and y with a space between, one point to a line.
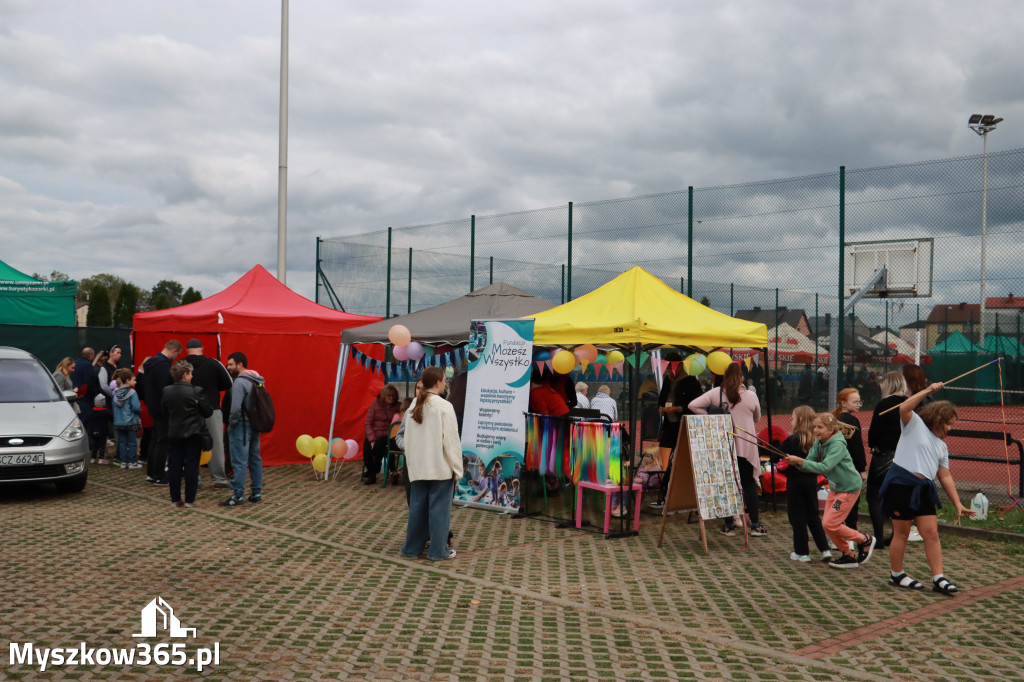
772 317
822 323
915 333
1008 304
948 318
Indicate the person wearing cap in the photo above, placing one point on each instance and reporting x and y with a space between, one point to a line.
212 377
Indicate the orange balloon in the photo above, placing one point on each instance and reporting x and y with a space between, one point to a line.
586 352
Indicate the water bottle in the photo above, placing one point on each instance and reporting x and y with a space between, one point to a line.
980 506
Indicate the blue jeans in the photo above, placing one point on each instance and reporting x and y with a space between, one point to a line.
245 455
430 513
127 447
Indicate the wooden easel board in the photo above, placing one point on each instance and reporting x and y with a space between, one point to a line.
704 477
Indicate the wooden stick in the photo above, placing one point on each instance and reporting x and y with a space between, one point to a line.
754 442
945 383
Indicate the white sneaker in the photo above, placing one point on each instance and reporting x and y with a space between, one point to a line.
799 557
915 536
135 465
826 555
832 545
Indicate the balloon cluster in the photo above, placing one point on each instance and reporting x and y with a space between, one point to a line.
404 347
316 450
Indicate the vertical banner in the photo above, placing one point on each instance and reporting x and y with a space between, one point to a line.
500 354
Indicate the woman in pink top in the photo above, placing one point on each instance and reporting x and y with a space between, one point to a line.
745 411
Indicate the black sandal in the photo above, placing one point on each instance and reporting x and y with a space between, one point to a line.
943 586
905 581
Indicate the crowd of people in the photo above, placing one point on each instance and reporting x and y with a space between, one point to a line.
166 413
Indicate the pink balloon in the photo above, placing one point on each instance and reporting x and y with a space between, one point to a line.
353 450
414 350
401 353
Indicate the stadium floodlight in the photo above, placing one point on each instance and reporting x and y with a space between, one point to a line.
983 125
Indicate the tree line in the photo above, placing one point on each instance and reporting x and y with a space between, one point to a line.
113 300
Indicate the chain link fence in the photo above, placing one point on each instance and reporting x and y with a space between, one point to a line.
770 250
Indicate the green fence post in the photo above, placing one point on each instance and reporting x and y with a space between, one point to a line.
689 242
409 305
472 251
815 331
568 287
837 343
682 285
316 274
562 299
732 286
492 271
387 306
776 330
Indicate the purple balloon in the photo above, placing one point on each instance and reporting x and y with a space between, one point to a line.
353 449
414 350
401 353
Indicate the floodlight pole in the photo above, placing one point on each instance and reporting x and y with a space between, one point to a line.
983 125
282 154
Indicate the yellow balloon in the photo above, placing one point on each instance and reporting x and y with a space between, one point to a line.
304 444
563 362
320 445
616 356
320 463
205 456
718 362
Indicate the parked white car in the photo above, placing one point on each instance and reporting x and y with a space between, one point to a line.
41 437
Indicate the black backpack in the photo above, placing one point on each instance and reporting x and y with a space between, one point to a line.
259 409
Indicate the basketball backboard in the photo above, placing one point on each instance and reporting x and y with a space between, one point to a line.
908 263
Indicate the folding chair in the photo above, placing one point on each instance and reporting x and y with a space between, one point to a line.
398 454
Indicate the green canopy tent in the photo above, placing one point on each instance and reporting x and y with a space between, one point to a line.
27 300
1006 346
956 342
957 354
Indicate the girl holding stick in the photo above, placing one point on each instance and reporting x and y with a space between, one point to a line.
830 456
802 489
908 494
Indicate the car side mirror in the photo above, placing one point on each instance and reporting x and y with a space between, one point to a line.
70 396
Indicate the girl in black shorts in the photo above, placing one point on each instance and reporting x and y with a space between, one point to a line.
908 494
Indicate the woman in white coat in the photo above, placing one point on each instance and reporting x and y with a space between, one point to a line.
433 459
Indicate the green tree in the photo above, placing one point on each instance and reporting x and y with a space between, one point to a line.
58 276
126 305
169 289
112 283
99 308
160 302
191 296
705 302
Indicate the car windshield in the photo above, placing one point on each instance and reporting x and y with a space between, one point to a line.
26 381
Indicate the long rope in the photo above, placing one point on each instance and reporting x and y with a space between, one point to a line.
1014 502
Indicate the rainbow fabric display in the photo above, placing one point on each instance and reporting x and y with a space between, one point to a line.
547 445
597 452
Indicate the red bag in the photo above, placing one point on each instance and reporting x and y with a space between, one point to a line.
766 482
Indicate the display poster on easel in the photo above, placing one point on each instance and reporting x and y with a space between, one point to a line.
705 478
497 395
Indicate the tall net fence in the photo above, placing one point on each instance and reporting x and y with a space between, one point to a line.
769 251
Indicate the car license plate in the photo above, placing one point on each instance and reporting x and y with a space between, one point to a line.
21 460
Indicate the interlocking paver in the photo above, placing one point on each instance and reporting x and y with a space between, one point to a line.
309 585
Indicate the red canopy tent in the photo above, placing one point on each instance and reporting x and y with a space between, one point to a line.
293 342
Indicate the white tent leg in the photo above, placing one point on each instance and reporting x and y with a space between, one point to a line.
338 381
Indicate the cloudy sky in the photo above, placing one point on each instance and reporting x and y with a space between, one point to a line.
140 138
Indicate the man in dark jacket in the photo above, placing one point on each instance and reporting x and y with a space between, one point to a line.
211 376
157 370
185 410
83 378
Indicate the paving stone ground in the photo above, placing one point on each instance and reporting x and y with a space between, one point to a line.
310 585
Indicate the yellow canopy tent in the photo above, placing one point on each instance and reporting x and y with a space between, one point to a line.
635 310
637 307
